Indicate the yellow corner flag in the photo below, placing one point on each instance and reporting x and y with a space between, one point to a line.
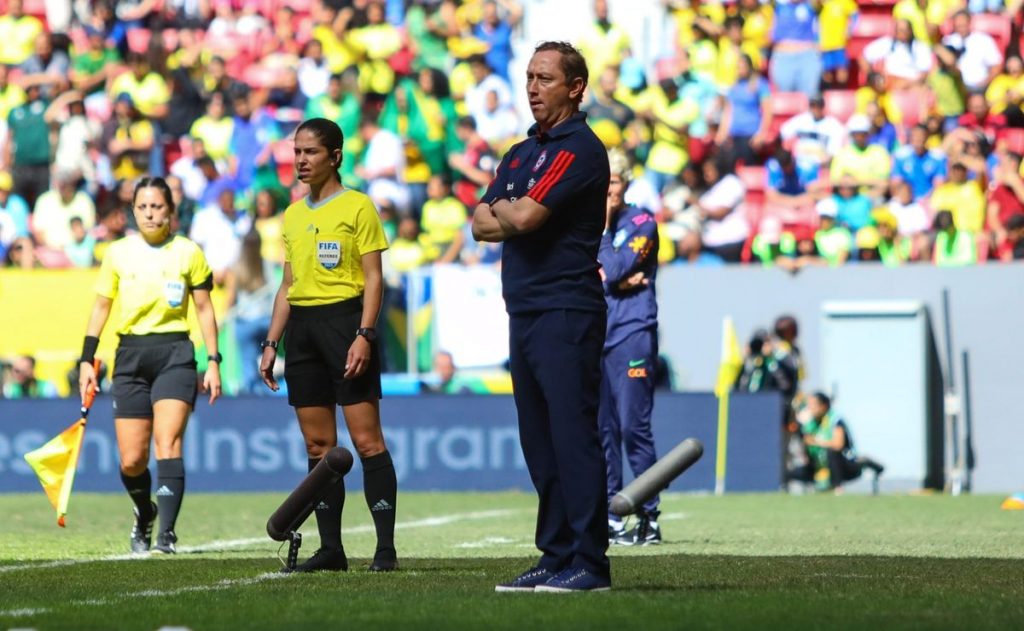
732 359
56 461
728 370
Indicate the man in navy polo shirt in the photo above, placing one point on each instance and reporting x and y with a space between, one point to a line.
547 205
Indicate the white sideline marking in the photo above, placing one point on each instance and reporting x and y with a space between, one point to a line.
672 516
227 544
16 613
427 522
485 543
155 593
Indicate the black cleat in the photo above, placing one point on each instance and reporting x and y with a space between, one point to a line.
323 560
618 535
142 531
384 561
165 542
647 532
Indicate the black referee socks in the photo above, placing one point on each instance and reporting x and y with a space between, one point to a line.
381 488
139 488
170 487
328 513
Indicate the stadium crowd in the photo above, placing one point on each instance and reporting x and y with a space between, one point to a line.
781 133
788 133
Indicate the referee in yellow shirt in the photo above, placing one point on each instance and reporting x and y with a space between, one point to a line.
153 274
326 309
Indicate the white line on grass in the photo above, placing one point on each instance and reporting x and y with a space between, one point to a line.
227 544
428 522
154 593
485 543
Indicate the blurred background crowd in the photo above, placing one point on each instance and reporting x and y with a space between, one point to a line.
775 133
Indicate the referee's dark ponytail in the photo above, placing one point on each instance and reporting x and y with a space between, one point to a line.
158 183
329 135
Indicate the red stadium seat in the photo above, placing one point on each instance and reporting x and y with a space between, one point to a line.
872 27
284 156
840 103
981 244
36 8
786 105
867 29
1013 138
914 105
998 26
138 39
875 7
754 180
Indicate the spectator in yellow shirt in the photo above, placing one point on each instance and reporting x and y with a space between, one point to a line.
1008 87
18 33
964 198
11 95
690 13
129 139
442 221
867 165
731 46
215 129
603 44
926 16
757 17
148 89
835 23
671 119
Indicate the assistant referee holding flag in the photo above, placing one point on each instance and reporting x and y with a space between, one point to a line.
326 309
153 274
547 205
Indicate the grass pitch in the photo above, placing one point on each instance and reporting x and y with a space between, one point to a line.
764 562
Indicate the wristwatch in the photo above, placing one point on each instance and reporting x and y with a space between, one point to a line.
271 343
216 357
368 332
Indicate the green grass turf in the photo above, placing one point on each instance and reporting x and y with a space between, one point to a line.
764 561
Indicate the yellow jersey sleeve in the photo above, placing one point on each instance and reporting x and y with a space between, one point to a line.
370 235
200 276
107 281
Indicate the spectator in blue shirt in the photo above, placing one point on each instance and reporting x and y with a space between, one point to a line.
790 184
497 33
854 208
747 116
920 167
796 57
13 205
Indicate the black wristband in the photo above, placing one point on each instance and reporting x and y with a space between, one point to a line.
89 346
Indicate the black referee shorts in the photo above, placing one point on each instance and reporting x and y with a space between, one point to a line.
318 339
150 368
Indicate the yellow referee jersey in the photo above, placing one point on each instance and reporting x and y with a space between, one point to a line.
152 283
325 242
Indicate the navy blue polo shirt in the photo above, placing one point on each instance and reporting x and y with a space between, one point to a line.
555 267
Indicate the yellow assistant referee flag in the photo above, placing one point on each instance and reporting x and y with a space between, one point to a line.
55 464
56 461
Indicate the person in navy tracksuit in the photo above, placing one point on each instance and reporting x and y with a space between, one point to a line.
629 267
547 206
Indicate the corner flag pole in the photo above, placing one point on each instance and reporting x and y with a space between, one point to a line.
728 370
